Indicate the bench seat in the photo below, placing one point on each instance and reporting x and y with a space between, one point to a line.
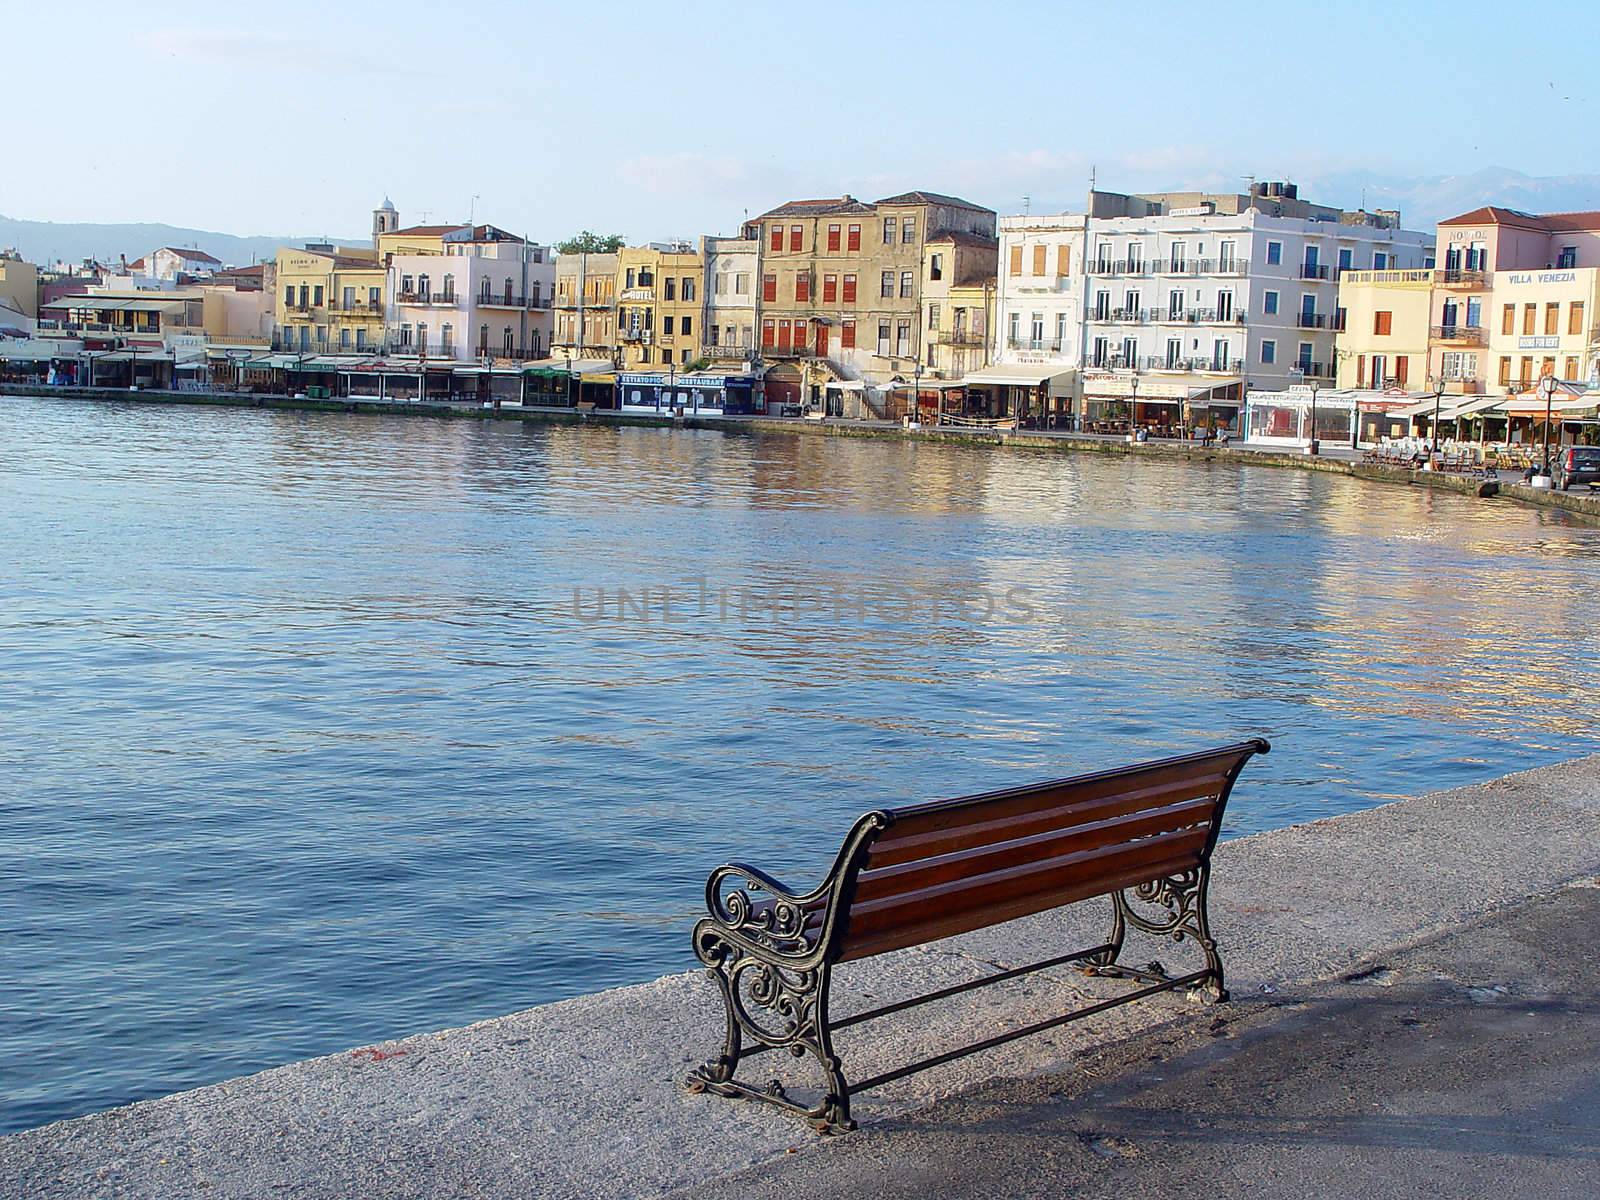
1142 835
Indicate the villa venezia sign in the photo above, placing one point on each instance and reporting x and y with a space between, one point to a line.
1544 277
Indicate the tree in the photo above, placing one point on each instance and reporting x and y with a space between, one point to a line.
589 242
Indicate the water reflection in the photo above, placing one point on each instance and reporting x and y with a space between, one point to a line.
311 747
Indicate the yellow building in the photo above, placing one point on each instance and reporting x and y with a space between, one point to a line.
1384 338
19 286
659 305
585 306
328 300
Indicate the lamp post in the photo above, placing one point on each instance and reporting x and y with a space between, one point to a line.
1438 395
1311 442
1547 388
916 391
1133 404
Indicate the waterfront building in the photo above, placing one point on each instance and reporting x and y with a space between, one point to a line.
841 293
19 288
586 306
659 304
732 312
710 392
1036 342
1190 296
483 294
1382 331
328 300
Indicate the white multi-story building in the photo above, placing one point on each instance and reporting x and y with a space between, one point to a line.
1190 297
1037 332
486 296
731 317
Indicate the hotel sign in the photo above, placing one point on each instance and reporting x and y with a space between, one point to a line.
1538 343
1544 277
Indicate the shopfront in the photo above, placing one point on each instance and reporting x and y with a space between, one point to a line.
1166 404
1036 395
1290 418
712 393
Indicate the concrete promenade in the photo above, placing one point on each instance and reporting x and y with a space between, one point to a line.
1384 965
1334 460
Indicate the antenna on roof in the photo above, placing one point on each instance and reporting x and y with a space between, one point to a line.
1027 202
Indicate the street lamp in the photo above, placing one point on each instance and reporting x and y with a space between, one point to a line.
1547 388
1438 394
1311 442
916 391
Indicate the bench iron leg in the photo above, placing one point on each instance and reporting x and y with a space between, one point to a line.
777 1008
1180 901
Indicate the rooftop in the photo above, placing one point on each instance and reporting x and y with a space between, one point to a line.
191 254
1491 214
933 198
425 230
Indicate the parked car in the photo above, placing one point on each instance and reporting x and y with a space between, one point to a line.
1576 464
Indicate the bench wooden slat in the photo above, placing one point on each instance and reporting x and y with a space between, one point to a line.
1020 891
907 843
947 924
878 882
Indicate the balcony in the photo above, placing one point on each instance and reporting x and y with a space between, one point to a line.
1313 370
740 351
776 351
491 352
1120 266
643 337
501 300
1459 335
1461 279
1312 271
1307 320
428 299
358 308
1052 345
961 337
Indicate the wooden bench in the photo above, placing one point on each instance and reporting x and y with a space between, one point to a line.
1142 835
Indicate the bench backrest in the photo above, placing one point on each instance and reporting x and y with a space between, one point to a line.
952 866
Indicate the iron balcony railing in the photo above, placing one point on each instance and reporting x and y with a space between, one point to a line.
1314 370
787 351
501 300
1019 343
962 337
1465 335
1311 320
1455 278
1313 271
432 299
741 350
357 308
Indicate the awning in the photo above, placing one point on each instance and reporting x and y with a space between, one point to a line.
845 385
118 303
1534 406
605 377
1163 388
1478 404
272 362
1016 375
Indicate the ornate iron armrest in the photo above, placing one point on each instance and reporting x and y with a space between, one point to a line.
780 927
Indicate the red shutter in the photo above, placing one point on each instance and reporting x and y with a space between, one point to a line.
783 335
833 239
802 287
849 289
766 335
777 237
794 237
847 335
830 289
855 237
769 288
801 335
1402 365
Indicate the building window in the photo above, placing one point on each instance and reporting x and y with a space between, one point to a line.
344 339
853 241
288 296
1508 319
849 289
721 284
936 266
1505 371
883 339
766 334
483 339
796 235
669 288
666 326
1572 368
902 339
888 231
741 284
1552 319
1063 260
1575 317
1529 318
1013 332
1015 267
1382 324
908 230
685 326
1269 352
908 284
1274 254
886 286
687 291
1039 252
361 339
847 335
802 286
830 289
777 237
933 316
644 354
769 288
1568 258
833 239
1175 304
316 296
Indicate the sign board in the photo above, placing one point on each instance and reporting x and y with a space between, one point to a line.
1538 343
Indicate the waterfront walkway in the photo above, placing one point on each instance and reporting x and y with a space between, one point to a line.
1448 908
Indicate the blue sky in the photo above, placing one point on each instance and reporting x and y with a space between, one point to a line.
670 118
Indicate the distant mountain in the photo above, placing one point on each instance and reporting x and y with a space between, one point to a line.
47 241
1424 201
